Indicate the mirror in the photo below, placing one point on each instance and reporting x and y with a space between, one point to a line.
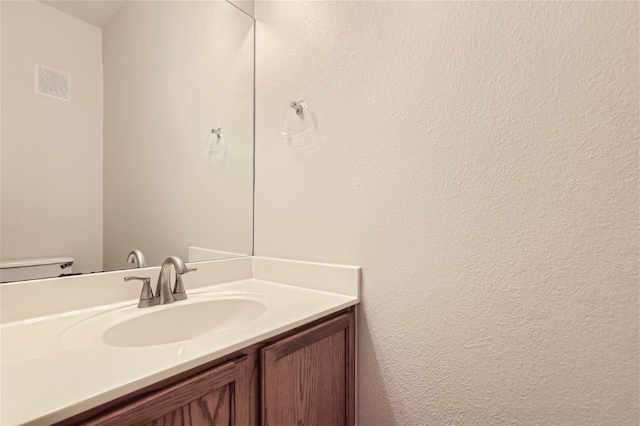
110 135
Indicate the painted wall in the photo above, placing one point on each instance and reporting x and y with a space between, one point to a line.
247 6
480 162
51 203
173 72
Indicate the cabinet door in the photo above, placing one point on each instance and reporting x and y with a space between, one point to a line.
215 397
309 378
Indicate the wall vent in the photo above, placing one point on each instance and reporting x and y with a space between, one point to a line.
53 83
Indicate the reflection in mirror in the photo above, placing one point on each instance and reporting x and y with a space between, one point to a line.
105 136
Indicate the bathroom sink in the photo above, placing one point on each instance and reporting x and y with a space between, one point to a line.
178 322
197 317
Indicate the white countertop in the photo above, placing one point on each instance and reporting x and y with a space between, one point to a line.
48 375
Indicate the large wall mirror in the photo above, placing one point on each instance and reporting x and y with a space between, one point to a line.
110 132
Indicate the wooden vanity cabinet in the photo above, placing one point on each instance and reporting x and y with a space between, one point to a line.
303 377
213 397
309 378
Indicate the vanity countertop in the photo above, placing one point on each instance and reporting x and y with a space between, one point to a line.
49 374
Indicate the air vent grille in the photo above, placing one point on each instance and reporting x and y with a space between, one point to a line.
53 83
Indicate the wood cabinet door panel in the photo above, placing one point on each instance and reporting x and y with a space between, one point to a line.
214 408
309 378
209 398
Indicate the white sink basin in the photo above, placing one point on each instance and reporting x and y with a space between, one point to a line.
183 322
199 316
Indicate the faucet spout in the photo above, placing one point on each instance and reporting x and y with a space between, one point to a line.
163 289
137 257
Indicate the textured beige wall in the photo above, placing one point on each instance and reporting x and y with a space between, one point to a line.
480 162
174 71
51 167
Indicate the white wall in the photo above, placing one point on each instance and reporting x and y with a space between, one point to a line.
51 201
248 6
173 72
480 162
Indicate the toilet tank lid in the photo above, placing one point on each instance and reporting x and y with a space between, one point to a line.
23 263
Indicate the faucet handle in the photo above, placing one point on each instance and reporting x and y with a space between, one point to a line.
178 290
146 295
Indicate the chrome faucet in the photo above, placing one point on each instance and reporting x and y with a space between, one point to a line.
137 257
163 293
